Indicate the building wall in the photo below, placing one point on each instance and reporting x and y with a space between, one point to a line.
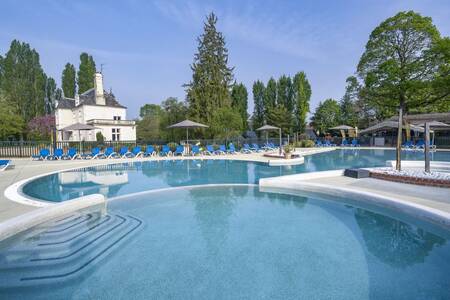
127 133
63 118
90 112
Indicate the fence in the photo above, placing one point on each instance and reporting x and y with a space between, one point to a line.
29 148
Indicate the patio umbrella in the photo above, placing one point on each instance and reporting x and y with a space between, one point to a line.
270 127
342 128
187 124
79 127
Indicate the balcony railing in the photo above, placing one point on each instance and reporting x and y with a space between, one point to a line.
111 122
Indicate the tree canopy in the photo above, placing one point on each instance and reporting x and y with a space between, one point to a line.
401 64
86 72
239 98
302 96
212 78
258 100
68 81
326 116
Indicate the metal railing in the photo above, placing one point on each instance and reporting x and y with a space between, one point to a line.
111 122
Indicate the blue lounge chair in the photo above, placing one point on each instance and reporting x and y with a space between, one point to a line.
165 151
179 150
408 145
137 151
149 151
72 154
273 146
95 153
124 152
255 147
344 143
231 149
110 153
58 154
4 163
319 143
195 150
355 143
43 155
329 144
246 149
268 147
222 150
209 150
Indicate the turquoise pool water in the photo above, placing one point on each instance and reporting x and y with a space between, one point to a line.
228 242
122 179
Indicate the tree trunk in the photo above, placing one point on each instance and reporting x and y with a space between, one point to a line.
398 163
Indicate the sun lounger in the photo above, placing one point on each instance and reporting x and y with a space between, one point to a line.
344 143
195 150
137 151
319 143
179 150
246 149
58 154
124 152
110 153
43 155
355 143
255 147
72 154
329 144
149 151
165 151
4 163
222 150
209 150
95 153
231 149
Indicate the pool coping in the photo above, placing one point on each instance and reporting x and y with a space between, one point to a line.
299 182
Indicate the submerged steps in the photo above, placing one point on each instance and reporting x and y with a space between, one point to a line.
50 257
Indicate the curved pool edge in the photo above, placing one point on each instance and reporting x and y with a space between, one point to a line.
297 183
14 191
21 223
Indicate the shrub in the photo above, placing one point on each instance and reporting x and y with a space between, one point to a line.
172 146
100 138
305 144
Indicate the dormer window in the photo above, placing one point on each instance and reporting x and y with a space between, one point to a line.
117 118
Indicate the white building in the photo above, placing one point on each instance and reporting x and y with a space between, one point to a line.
97 108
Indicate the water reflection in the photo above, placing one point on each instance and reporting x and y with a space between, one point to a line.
394 242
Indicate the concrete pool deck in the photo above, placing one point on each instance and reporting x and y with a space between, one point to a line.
436 198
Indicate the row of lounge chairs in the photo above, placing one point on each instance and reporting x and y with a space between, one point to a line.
420 145
124 152
345 143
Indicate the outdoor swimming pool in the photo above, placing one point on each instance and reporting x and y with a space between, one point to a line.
223 241
229 242
123 179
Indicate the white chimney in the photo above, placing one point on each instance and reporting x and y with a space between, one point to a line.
98 85
77 99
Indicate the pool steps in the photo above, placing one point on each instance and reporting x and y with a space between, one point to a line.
52 256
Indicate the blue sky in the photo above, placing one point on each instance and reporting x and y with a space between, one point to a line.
147 46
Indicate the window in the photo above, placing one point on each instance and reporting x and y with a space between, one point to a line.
117 118
116 134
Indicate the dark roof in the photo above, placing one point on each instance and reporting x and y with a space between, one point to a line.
88 98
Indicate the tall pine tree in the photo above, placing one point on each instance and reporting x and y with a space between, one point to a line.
68 81
209 89
302 95
258 100
348 102
239 102
284 93
270 97
86 73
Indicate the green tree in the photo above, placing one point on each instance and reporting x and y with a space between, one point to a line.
270 97
209 89
400 66
51 95
326 116
150 110
23 81
239 102
226 123
279 116
86 72
11 124
68 81
258 100
348 102
285 93
149 127
302 96
174 111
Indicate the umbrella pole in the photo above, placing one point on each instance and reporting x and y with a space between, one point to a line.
280 140
427 147
187 140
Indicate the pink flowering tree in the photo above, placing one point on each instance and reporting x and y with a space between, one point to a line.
40 128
